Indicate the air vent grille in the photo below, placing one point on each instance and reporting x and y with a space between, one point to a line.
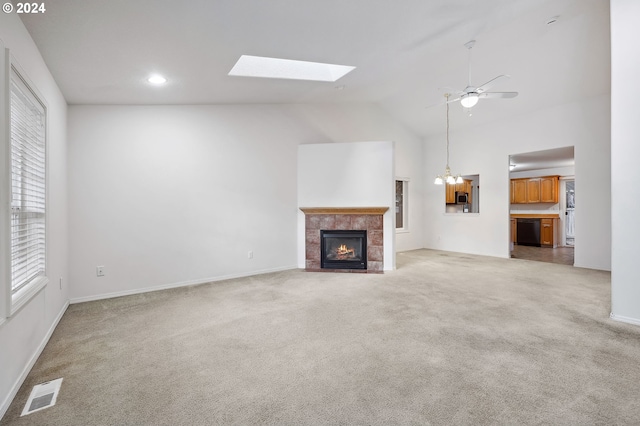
42 396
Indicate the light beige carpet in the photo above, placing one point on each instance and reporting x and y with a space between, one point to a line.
446 339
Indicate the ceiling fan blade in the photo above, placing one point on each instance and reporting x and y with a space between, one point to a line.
495 95
491 82
443 102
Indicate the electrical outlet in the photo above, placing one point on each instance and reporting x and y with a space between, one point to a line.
250 254
100 271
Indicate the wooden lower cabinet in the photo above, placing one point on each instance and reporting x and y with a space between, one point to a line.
546 232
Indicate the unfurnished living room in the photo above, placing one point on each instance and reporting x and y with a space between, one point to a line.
253 212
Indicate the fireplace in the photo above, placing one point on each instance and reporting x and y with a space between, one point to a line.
365 222
343 249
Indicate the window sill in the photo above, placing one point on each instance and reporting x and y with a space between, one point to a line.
402 231
462 214
24 295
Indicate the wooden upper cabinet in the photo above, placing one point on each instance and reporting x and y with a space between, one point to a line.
533 190
513 194
519 191
450 193
549 189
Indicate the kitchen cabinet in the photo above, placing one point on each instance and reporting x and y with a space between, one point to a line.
450 193
519 191
534 190
546 232
549 189
451 190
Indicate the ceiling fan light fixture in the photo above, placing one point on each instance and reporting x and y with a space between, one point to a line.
468 100
157 79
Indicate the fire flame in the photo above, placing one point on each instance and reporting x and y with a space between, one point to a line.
344 250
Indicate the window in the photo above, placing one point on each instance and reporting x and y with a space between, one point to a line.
26 153
463 197
402 210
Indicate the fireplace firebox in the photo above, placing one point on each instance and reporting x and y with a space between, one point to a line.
343 249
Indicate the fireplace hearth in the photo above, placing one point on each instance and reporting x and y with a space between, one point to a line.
343 249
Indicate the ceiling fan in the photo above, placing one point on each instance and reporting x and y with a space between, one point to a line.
472 94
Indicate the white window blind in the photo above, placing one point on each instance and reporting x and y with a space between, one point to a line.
28 179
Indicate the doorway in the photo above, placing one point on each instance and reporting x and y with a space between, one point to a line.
543 189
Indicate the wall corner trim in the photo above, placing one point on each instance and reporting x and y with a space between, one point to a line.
103 296
634 321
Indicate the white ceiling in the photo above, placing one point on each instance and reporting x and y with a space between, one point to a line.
547 159
406 52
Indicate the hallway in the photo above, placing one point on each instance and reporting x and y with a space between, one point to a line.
560 255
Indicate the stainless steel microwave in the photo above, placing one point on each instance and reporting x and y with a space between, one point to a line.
462 197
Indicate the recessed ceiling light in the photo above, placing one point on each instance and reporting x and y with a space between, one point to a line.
258 66
157 79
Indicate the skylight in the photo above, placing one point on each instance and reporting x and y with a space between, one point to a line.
258 66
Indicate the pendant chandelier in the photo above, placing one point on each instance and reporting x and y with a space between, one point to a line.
447 176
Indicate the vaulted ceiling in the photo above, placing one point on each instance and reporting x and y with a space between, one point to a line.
408 53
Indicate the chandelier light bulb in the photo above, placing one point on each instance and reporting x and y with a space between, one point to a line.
438 180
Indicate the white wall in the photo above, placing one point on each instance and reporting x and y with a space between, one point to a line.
486 149
625 152
170 195
358 174
23 336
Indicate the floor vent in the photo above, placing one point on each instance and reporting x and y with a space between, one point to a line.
42 396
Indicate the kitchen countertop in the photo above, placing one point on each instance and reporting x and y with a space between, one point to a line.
535 216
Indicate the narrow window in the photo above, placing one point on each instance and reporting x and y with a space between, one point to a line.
27 153
401 204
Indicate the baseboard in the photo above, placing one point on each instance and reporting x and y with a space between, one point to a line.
176 285
16 387
628 320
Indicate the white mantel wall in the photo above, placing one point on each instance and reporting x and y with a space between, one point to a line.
625 152
357 174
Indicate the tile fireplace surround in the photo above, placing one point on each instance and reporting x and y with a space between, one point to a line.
344 218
